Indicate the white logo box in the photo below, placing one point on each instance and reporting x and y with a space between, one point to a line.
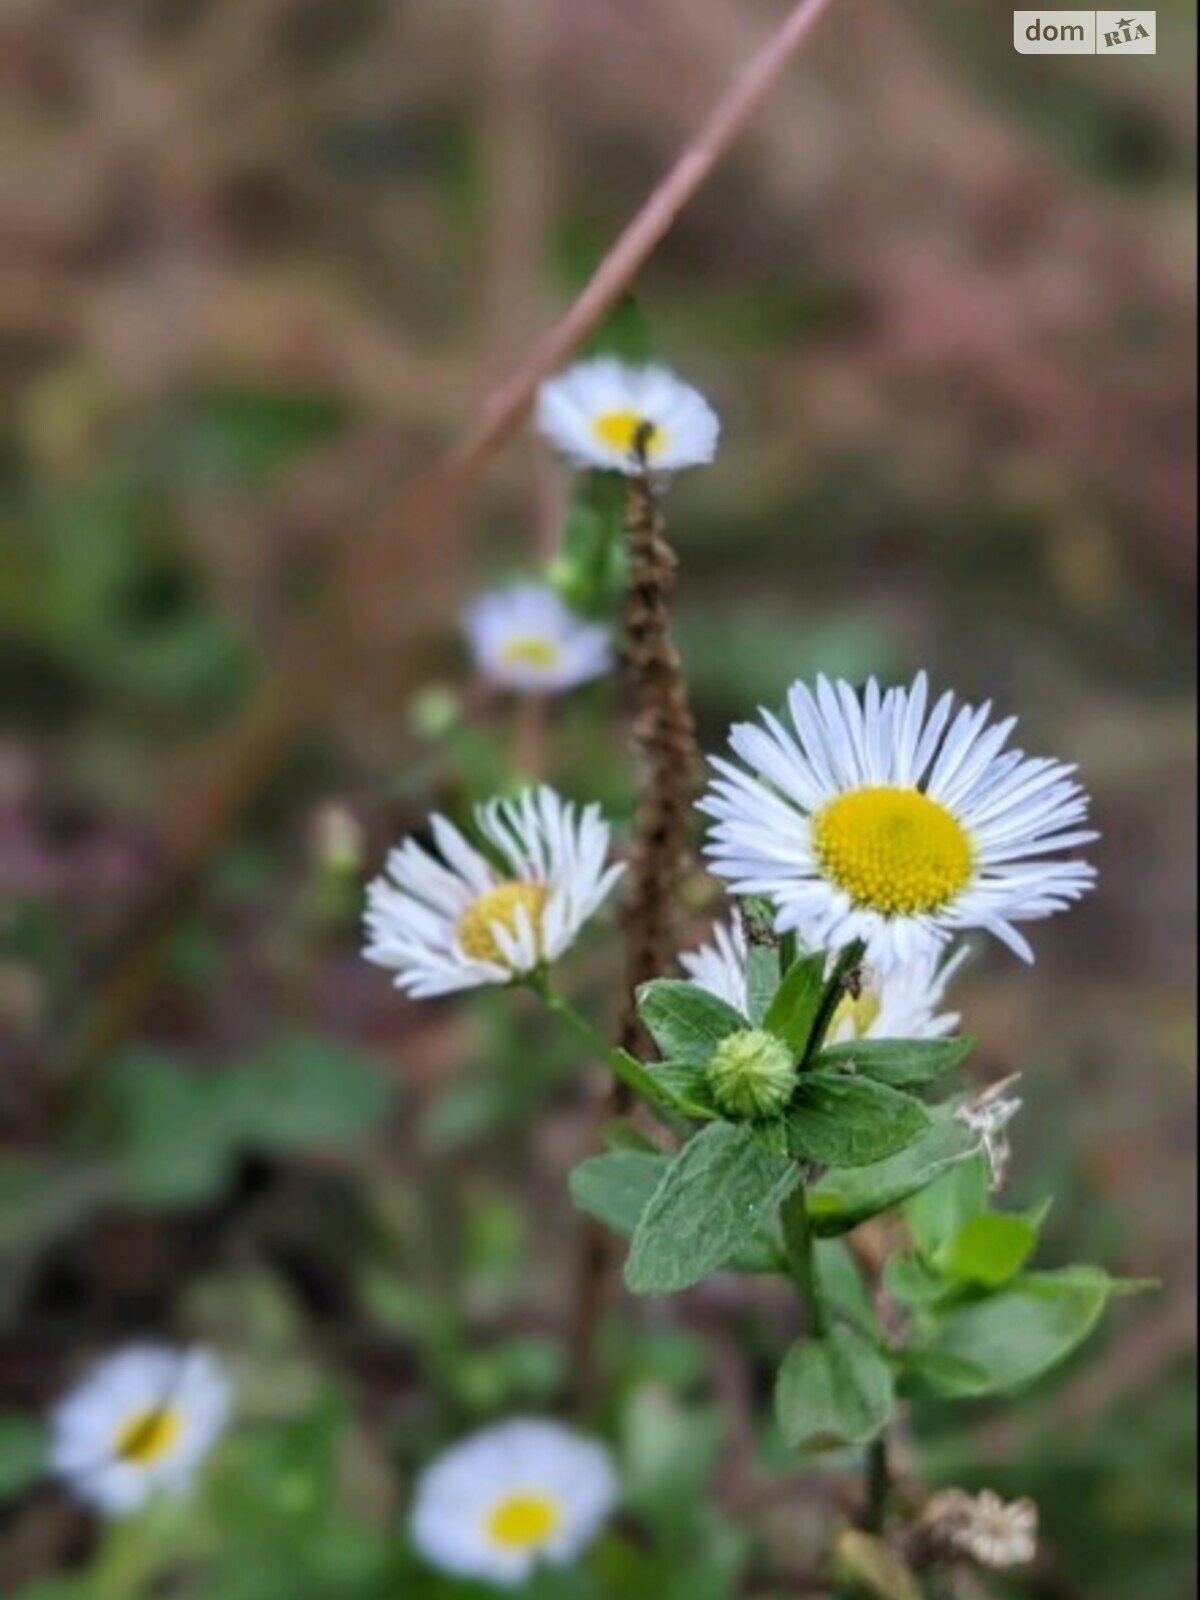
1084 33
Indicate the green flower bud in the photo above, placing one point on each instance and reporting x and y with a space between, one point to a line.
752 1074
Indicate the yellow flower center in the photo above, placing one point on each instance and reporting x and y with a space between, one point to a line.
626 431
147 1436
895 851
853 1017
529 650
500 905
524 1521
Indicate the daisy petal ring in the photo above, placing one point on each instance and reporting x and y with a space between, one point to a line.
892 822
511 1498
460 921
605 414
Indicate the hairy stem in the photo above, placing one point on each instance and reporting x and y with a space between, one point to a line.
664 741
878 1483
664 738
799 1243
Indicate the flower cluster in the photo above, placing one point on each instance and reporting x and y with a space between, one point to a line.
861 834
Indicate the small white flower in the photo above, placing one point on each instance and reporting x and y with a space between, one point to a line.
510 1498
527 638
603 413
983 1526
459 922
141 1422
882 820
898 1003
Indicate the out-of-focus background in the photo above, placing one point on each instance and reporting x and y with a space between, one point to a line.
263 258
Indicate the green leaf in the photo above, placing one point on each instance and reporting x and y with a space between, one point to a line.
686 1022
624 332
842 1288
174 1132
989 1249
936 1214
1010 1338
669 1452
852 1122
797 1001
833 1391
841 1200
616 1188
307 1093
589 574
687 1086
621 1134
910 1281
22 1453
722 1187
616 1193
902 1063
762 961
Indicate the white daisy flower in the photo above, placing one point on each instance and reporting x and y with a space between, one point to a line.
140 1423
603 413
527 638
898 1003
511 1498
884 820
460 922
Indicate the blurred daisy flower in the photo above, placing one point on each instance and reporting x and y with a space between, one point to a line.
528 639
983 1526
140 1423
460 921
603 413
884 820
511 1498
899 1003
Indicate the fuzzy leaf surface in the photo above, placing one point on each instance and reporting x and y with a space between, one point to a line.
724 1187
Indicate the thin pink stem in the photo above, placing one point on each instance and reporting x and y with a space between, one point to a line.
505 408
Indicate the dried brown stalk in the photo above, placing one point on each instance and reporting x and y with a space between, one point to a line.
385 579
664 738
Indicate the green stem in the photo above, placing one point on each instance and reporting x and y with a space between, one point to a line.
626 1068
798 1239
879 1480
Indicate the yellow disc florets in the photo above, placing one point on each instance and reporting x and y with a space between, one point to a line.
524 1521
530 650
854 1015
147 1436
500 905
630 434
894 851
